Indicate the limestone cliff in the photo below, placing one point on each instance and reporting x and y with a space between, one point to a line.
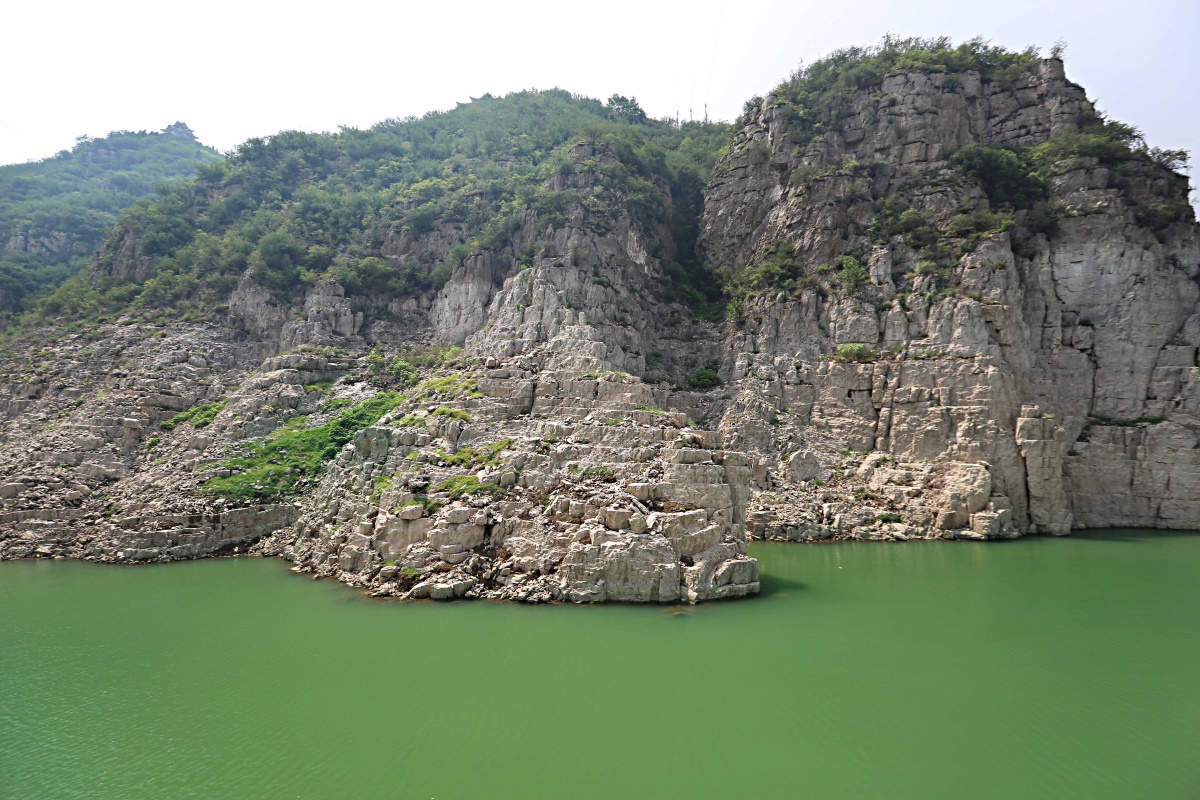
958 309
1033 379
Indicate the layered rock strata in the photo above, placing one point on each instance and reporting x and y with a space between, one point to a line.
589 494
1038 378
1060 362
534 467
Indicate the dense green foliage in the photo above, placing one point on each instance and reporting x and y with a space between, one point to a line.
854 351
278 467
817 96
1005 175
1016 177
402 370
297 207
777 266
79 194
394 371
851 276
472 457
201 416
820 96
706 377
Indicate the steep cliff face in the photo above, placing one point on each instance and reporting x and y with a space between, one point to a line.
961 305
1061 357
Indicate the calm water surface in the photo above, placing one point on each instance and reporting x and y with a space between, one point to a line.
1031 669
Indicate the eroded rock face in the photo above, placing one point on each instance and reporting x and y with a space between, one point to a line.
1062 362
590 498
535 467
43 244
911 121
1042 380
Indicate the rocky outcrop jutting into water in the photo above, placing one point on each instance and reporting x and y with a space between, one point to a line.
952 315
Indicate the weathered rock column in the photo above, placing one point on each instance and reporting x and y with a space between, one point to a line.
1043 444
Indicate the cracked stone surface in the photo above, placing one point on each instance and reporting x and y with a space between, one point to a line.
1055 388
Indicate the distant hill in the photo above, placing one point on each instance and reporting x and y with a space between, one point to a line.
392 210
54 212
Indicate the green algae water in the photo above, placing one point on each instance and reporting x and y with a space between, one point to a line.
1036 668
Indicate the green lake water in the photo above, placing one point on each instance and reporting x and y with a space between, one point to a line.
1041 668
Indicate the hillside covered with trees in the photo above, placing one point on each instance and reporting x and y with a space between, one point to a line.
296 208
54 212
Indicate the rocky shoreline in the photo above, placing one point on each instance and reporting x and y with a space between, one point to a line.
968 371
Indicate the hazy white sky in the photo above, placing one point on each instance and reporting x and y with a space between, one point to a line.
233 69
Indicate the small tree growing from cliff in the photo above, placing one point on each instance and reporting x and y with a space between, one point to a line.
776 268
394 371
1006 176
854 351
1174 160
705 378
852 278
275 261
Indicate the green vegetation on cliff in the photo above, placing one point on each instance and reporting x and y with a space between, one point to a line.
819 95
279 466
54 212
1016 177
394 210
296 208
201 416
820 98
